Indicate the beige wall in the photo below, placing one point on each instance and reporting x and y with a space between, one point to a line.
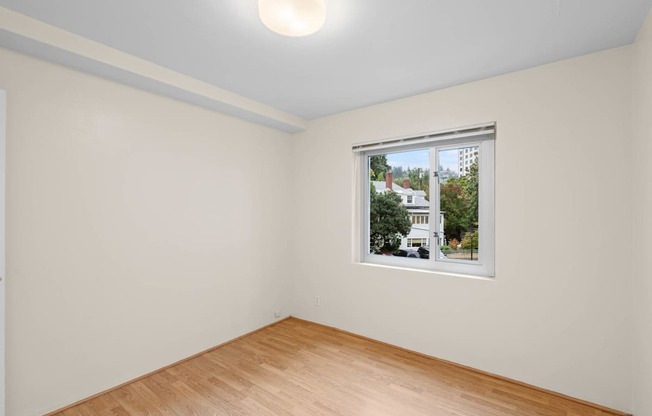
140 230
642 222
557 314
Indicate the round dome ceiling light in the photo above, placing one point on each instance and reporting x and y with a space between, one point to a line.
292 17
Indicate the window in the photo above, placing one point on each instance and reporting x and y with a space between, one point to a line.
462 239
419 219
417 242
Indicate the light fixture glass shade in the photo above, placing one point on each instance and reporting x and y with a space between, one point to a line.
292 17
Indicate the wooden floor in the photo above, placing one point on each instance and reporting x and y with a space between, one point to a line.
300 368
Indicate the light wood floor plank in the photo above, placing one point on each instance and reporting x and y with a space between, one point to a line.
297 368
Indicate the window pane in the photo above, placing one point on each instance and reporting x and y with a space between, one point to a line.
458 203
449 221
398 224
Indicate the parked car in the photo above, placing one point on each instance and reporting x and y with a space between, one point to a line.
424 253
407 252
419 253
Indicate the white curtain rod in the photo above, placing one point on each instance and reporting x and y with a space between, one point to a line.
431 137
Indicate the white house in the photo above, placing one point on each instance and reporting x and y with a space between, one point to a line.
418 207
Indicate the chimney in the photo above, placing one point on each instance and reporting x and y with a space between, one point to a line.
388 181
406 184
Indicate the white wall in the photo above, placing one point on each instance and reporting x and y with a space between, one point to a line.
139 231
557 314
133 223
642 222
2 252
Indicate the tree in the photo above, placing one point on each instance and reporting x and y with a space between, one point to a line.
470 241
470 183
459 201
388 221
453 202
378 165
419 178
398 171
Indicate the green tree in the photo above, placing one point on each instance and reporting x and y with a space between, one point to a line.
388 221
459 201
470 241
378 165
419 179
398 171
454 204
470 183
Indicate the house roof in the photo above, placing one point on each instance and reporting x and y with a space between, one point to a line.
420 200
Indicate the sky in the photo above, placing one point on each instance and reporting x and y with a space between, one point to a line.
421 159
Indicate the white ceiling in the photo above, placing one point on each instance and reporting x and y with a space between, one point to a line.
369 51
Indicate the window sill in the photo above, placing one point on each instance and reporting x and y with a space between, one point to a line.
428 271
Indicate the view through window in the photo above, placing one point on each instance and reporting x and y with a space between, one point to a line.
400 204
432 205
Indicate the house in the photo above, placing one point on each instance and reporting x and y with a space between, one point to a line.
178 176
418 207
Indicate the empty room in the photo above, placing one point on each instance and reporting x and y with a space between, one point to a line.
326 207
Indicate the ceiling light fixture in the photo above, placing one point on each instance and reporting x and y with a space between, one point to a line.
292 17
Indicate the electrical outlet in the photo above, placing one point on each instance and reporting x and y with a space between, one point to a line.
277 314
317 301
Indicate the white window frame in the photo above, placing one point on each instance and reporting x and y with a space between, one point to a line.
482 136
